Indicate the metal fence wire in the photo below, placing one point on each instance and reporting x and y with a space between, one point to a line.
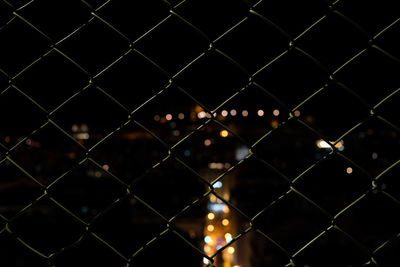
199 133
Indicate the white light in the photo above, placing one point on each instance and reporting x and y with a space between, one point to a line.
224 113
374 155
276 112
228 237
233 112
241 153
245 113
216 207
260 113
207 239
206 261
201 115
217 184
323 144
349 170
82 136
168 117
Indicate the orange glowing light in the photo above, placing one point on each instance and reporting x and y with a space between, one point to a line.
224 133
225 209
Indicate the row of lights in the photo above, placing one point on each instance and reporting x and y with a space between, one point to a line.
218 166
169 117
224 113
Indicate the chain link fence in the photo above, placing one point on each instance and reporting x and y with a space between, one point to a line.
199 133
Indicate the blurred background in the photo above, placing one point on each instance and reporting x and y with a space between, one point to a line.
199 133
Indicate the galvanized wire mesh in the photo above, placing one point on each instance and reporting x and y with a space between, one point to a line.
330 67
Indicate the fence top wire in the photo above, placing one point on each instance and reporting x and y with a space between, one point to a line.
175 72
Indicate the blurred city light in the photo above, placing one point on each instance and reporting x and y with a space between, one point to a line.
74 128
201 115
228 237
241 152
216 207
216 165
211 215
217 184
226 209
323 144
207 142
207 249
81 136
213 198
224 133
106 167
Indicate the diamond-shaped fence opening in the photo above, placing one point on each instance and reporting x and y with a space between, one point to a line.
199 133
